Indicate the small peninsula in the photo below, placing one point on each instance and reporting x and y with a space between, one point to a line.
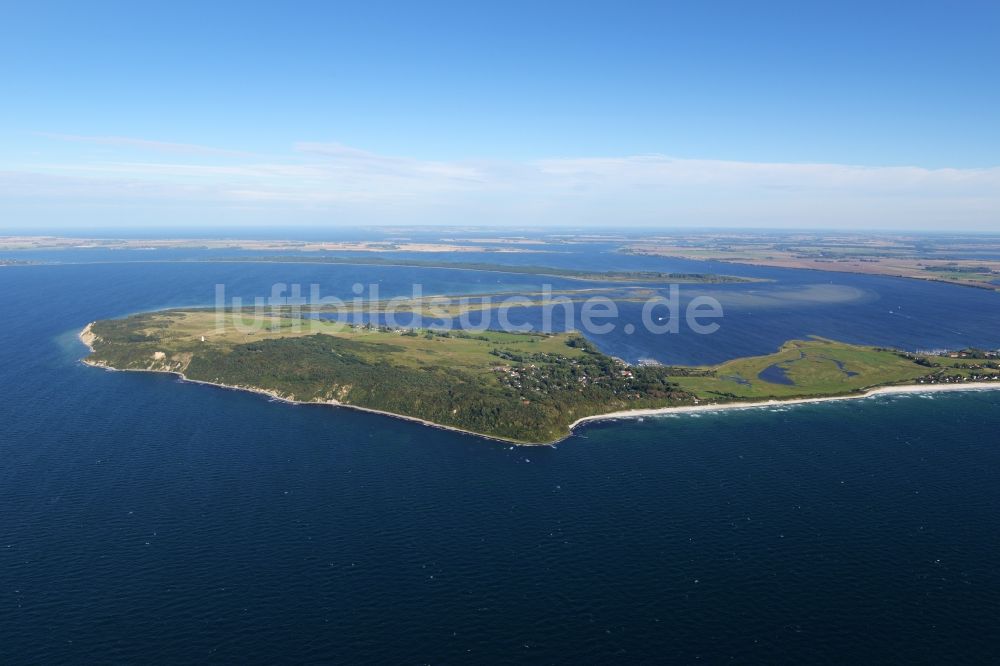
526 388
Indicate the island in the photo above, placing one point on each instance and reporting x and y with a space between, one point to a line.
525 388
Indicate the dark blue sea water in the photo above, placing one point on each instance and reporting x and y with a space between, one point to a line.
147 520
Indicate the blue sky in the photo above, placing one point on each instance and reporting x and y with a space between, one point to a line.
871 115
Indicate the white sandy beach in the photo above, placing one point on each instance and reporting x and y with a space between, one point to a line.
709 407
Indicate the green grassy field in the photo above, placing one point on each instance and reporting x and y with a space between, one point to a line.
181 332
814 367
521 387
986 276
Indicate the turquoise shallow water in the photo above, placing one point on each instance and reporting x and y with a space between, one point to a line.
148 520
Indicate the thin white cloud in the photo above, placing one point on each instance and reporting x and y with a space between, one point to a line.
145 144
644 189
662 170
339 156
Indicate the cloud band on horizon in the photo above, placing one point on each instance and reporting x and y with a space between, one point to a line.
330 182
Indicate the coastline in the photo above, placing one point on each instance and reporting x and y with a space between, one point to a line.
86 337
328 403
900 389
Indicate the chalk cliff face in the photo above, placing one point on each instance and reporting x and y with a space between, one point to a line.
87 336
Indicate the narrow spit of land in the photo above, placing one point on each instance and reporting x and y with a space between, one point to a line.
642 277
600 277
